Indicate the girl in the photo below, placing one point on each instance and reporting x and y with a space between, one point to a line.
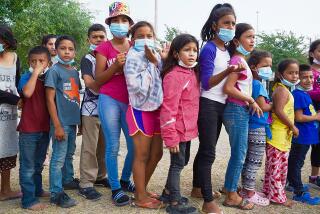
9 70
260 63
238 87
314 60
213 60
145 94
113 99
179 114
282 128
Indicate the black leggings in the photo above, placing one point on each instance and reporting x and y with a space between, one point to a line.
209 126
315 155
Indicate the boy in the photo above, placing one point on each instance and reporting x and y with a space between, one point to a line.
92 162
48 41
62 91
306 120
34 129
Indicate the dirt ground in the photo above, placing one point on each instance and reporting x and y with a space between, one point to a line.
157 183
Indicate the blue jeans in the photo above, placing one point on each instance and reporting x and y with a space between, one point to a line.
236 121
61 166
33 150
112 115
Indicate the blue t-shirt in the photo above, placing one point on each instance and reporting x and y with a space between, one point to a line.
66 83
308 131
258 90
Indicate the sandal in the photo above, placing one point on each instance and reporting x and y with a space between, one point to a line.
243 205
153 204
259 200
153 195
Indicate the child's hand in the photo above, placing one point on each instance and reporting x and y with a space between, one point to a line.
20 104
236 68
318 116
120 60
59 133
254 108
295 131
165 50
150 55
174 149
39 68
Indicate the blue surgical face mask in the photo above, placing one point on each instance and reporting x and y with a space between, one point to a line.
140 43
265 73
1 48
119 30
226 35
64 62
289 84
92 47
243 51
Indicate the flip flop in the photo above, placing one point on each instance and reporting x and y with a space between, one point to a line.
153 204
242 205
153 195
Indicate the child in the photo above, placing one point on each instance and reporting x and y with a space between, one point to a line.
238 87
92 159
213 60
9 72
113 99
306 120
62 91
34 129
314 60
48 41
145 95
282 128
260 63
179 114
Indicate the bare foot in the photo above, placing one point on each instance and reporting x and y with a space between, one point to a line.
196 193
211 207
45 194
289 203
38 207
10 195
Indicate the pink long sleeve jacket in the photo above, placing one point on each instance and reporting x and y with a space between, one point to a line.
180 107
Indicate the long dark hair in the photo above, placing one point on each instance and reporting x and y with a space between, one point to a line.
313 47
282 66
218 11
177 44
240 29
7 37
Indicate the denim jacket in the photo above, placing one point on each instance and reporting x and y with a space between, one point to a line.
143 81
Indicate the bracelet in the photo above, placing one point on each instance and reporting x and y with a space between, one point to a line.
250 103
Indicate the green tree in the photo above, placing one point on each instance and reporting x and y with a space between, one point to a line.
283 45
171 33
9 8
58 17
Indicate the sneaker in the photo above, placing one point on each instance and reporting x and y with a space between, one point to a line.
306 198
63 200
181 208
119 198
74 184
90 193
315 181
290 188
165 198
127 186
102 183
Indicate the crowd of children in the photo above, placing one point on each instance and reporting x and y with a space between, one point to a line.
158 97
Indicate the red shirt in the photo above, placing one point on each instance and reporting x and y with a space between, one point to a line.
35 116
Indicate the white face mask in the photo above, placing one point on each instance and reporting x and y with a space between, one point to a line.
187 66
315 61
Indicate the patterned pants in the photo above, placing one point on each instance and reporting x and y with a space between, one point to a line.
275 174
253 162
